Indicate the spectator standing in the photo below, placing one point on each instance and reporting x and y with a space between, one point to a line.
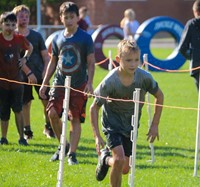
84 13
82 22
129 24
189 45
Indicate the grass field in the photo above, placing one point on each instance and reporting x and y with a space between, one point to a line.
174 152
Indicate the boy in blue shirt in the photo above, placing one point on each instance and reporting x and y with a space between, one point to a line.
72 55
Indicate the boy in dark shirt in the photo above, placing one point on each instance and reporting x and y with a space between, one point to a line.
189 45
37 63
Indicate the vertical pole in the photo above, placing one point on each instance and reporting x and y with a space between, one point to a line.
64 128
135 117
197 135
145 59
38 15
110 60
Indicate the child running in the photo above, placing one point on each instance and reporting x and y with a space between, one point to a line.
120 83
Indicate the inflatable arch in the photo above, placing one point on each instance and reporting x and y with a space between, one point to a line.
149 29
100 35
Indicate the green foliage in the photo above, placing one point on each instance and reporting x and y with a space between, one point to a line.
174 152
9 4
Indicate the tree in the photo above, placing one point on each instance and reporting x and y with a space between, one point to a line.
8 5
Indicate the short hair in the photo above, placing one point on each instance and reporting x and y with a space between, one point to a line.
20 8
67 7
196 6
8 16
83 9
129 13
125 46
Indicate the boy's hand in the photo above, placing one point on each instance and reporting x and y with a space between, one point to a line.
21 62
42 92
99 144
88 89
32 79
153 133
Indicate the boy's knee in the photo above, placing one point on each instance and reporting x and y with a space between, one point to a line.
52 113
125 170
118 162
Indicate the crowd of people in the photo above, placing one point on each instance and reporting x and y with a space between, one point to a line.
24 58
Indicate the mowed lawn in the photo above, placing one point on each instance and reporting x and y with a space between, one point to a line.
174 152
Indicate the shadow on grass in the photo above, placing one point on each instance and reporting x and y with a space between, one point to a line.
165 151
86 152
32 148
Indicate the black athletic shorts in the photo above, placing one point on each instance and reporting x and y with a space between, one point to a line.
116 139
10 99
28 92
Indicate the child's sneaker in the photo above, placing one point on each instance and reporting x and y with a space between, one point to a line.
102 168
48 131
23 141
3 141
57 153
28 133
72 159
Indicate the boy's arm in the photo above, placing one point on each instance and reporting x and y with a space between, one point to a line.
49 72
153 131
31 77
91 69
94 118
28 52
184 45
45 58
25 58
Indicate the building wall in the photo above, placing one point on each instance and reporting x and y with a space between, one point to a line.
111 11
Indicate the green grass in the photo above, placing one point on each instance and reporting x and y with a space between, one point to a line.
174 152
161 54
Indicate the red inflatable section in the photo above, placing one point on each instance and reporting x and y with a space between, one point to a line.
100 35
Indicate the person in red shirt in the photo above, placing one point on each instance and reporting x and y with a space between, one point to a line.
82 23
11 93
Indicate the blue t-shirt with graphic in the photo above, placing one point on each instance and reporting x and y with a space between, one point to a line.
71 54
